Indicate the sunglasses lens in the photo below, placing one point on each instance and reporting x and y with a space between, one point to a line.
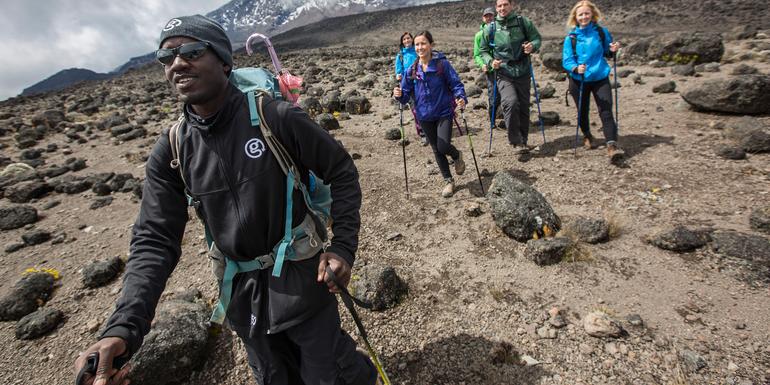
192 51
165 56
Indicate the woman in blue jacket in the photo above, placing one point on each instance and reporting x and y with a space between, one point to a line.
404 59
436 89
584 56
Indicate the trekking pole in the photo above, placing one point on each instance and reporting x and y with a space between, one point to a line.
348 300
473 153
580 107
92 363
403 144
492 117
537 100
617 85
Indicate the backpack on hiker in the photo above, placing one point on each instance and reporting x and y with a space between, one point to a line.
301 242
573 41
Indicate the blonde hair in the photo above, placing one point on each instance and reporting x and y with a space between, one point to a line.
596 14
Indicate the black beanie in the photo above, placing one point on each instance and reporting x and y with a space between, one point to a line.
200 28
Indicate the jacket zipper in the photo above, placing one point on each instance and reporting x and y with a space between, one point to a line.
230 186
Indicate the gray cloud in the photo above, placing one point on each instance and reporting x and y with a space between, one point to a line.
39 38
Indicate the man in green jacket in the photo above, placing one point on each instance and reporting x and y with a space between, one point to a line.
488 17
513 39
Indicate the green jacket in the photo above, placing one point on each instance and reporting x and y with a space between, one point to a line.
508 39
477 46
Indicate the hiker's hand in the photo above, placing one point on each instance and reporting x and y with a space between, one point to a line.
340 268
614 46
496 63
108 348
460 103
484 68
398 77
581 69
397 92
528 47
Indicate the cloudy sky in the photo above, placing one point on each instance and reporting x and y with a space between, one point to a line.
41 37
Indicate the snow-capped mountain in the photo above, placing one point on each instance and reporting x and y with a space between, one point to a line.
242 17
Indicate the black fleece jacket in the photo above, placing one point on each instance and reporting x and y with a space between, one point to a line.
241 189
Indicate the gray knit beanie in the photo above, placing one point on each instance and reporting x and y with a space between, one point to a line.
200 28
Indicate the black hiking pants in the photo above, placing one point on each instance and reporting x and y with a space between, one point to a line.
493 102
602 92
314 352
439 133
514 96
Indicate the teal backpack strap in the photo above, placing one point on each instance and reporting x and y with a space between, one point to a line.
287 240
253 113
226 291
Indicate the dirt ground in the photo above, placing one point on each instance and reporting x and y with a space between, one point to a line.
470 288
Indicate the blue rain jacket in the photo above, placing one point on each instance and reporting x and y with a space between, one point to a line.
405 59
589 52
434 90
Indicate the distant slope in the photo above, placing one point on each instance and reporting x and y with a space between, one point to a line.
62 79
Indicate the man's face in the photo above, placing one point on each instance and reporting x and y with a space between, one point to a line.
504 7
197 81
488 18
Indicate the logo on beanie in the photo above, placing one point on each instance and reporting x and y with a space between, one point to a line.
254 148
171 24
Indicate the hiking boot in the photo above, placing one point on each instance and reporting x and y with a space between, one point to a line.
587 143
520 149
459 164
615 153
449 189
424 141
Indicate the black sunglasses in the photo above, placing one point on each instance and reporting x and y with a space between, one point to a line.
189 51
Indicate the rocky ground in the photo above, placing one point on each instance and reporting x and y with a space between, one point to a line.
659 275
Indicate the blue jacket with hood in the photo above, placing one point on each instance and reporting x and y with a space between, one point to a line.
589 52
405 59
434 90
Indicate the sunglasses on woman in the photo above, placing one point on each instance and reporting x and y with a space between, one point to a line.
189 51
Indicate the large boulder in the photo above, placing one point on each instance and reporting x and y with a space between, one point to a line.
38 323
679 239
760 219
175 346
687 47
520 210
26 191
744 246
357 105
747 94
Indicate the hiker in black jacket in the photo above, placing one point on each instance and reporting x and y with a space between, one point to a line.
239 190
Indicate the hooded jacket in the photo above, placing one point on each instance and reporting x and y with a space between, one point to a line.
405 58
434 89
241 194
508 38
590 52
477 47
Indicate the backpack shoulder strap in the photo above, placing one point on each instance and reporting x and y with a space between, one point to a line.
492 28
520 19
603 38
173 140
573 40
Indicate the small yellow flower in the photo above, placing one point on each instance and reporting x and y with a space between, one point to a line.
53 272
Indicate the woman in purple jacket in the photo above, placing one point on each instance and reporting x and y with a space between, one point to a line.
436 89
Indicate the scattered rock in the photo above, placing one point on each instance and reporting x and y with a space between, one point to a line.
520 210
732 153
28 293
547 92
693 361
683 69
502 353
547 251
26 191
38 323
756 142
679 239
378 285
175 346
588 230
664 88
396 236
600 324
13 217
328 122
14 247
311 105
472 209
744 69
760 219
393 134
357 105
100 202
687 47
36 237
550 118
103 272
472 91
746 94
635 320
744 246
